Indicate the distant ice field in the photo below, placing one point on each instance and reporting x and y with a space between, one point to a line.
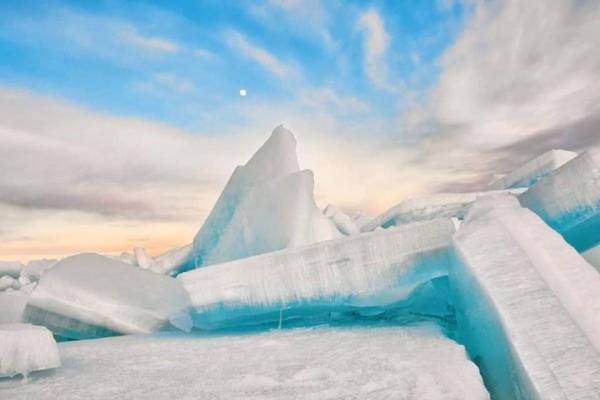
316 363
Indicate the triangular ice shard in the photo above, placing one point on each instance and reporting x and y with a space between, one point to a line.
267 205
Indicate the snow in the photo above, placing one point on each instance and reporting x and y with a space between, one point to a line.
89 295
12 305
324 363
533 328
440 205
341 220
372 269
10 268
25 348
527 174
569 200
266 205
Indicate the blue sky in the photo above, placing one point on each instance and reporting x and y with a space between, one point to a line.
120 122
184 63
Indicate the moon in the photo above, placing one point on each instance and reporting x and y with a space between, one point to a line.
243 92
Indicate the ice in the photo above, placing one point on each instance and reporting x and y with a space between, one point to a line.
527 307
569 200
12 305
25 348
142 259
415 363
89 295
127 258
36 268
592 256
168 262
267 205
368 270
10 268
440 205
341 220
527 174
7 281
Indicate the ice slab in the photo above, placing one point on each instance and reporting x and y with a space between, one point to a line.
415 363
368 270
440 205
527 305
529 173
267 205
25 348
10 268
89 295
12 305
569 200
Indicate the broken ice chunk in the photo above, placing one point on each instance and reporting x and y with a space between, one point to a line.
89 295
25 348
526 304
266 205
529 173
569 200
373 269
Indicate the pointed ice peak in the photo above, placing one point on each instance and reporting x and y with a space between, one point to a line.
276 157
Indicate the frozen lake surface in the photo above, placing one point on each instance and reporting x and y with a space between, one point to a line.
315 363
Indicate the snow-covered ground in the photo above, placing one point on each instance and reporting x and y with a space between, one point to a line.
320 363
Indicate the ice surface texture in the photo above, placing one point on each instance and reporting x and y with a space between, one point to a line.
266 205
310 364
25 348
369 270
569 200
89 295
440 205
527 174
12 305
526 304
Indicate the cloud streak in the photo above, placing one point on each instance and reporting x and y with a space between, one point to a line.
261 56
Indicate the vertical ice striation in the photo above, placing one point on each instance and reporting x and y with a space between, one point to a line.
569 200
267 205
89 295
369 270
526 305
529 173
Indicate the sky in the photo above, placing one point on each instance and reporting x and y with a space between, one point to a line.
120 122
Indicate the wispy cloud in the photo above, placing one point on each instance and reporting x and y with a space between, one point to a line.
131 35
376 43
260 55
523 77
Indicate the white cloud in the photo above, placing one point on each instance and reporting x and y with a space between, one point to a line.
376 43
523 77
131 35
260 56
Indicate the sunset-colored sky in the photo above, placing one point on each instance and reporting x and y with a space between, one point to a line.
120 122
